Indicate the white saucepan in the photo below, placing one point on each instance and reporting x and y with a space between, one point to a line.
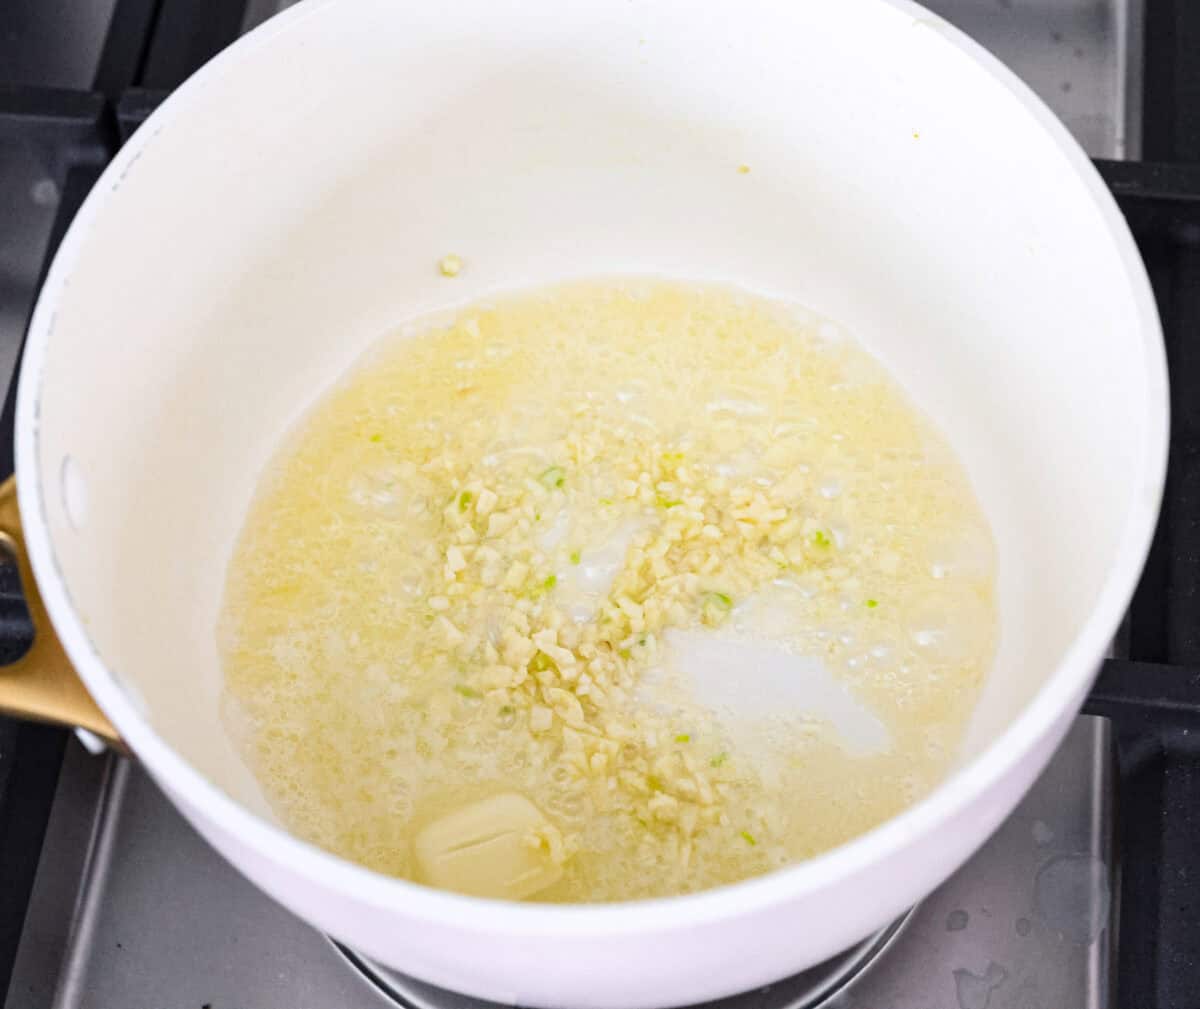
290 203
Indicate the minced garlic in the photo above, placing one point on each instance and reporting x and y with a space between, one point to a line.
468 573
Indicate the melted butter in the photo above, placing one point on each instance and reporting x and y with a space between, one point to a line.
747 680
666 564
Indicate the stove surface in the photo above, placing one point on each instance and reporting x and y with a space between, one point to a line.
131 908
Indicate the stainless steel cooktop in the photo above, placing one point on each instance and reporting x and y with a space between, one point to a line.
132 909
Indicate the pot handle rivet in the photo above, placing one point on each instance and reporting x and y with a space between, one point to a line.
42 685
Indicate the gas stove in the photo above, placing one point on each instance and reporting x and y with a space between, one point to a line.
1084 897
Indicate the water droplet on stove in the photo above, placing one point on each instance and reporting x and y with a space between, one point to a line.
975 991
44 193
1042 833
1071 894
956 921
1023 926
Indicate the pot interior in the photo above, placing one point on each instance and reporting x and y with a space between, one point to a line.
291 204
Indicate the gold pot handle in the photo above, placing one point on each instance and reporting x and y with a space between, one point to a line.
42 684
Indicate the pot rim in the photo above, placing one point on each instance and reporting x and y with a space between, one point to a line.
1000 759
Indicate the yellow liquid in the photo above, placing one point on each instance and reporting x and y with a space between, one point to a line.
668 560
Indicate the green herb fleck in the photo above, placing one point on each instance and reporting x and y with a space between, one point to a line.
872 603
470 692
464 500
555 476
821 539
507 709
377 438
654 782
748 837
575 557
666 502
719 759
683 737
541 662
625 653
718 600
606 501
542 588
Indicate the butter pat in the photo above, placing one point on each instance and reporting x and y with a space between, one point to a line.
501 847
